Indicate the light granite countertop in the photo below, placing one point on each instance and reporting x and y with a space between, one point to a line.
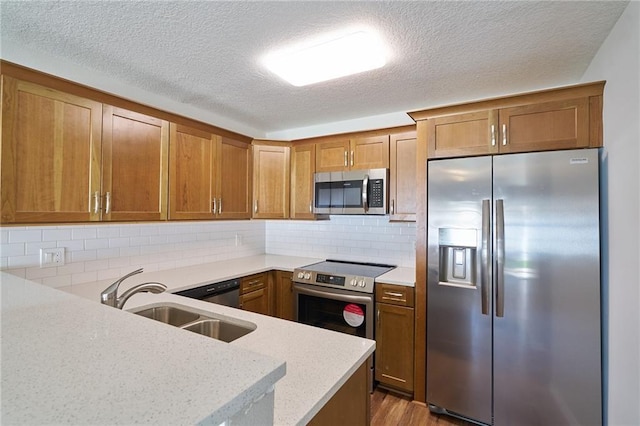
66 360
318 361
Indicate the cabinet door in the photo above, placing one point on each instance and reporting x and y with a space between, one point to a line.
284 295
402 185
135 153
332 156
271 182
255 301
303 164
50 154
234 174
463 134
394 346
192 153
369 153
545 126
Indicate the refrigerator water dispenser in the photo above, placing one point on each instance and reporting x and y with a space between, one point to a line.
457 256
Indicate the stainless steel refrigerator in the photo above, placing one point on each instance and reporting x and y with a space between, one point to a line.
513 319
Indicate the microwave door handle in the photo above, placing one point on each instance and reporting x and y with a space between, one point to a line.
365 191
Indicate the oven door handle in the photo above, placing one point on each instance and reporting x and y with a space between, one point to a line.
330 295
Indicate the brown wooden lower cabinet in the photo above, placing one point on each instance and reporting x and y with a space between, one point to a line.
254 293
395 337
284 295
350 405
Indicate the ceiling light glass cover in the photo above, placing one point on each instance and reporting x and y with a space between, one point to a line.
329 57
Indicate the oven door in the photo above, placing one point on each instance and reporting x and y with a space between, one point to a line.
338 310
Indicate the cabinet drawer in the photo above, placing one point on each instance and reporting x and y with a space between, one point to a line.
394 294
253 282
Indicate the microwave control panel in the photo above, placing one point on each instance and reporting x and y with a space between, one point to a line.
376 193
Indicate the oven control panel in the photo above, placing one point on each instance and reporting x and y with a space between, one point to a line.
346 282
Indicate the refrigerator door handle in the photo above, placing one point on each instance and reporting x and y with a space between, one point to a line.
484 253
499 258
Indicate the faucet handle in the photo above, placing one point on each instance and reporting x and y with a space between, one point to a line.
109 296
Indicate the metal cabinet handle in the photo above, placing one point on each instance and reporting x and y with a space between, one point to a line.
345 158
504 134
255 206
310 206
220 205
500 258
96 202
393 206
214 206
393 293
378 318
352 158
484 256
493 135
107 208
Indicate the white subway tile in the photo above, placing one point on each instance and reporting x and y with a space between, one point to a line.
83 256
108 231
18 272
98 243
119 242
56 234
23 261
119 262
16 249
129 231
84 233
96 265
107 253
107 274
71 268
25 236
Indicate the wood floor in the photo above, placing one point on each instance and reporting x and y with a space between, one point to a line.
388 408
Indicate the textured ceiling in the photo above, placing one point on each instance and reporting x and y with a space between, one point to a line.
204 56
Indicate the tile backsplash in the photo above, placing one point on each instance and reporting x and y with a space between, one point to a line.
106 251
357 238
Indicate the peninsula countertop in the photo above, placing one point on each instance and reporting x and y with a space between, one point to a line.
318 362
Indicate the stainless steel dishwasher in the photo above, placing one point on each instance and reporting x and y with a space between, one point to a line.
225 293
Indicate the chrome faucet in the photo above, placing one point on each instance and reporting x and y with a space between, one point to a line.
110 294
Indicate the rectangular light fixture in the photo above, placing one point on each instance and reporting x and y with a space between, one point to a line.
328 58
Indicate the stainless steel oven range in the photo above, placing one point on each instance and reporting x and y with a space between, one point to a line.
338 296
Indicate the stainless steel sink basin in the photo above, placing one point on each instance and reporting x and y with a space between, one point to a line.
169 315
217 329
211 325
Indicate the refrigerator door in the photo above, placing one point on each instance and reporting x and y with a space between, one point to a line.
458 332
547 316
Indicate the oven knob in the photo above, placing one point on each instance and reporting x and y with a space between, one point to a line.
300 274
354 282
307 275
361 283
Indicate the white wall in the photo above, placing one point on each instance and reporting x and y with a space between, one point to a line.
357 238
617 61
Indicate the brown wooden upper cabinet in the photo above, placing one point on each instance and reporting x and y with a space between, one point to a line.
209 175
303 166
402 182
271 177
70 159
134 165
555 119
370 152
51 154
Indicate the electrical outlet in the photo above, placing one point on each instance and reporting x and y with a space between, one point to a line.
51 257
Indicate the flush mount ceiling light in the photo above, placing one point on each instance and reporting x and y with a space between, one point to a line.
328 57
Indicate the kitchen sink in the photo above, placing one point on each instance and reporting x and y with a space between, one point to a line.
217 329
169 315
210 325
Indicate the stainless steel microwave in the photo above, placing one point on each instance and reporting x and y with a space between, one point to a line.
354 192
